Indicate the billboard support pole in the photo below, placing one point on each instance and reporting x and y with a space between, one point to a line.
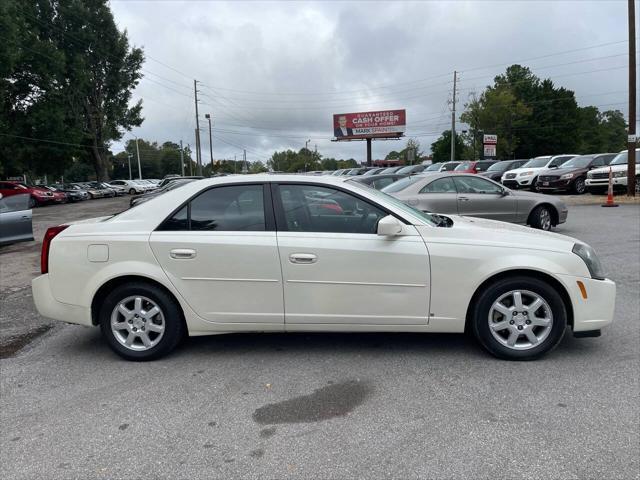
369 160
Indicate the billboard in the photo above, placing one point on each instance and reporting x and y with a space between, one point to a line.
380 124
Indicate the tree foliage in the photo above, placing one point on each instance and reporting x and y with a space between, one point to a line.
534 117
67 80
441 148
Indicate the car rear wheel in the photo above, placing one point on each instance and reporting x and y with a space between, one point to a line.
141 322
579 186
541 218
519 318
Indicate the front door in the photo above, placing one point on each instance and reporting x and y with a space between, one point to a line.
337 270
220 252
478 197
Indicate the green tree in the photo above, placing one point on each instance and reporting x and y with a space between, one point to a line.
613 131
67 78
441 148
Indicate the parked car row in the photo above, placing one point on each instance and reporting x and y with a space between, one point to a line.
550 173
40 195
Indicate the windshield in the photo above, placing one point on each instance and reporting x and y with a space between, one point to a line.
623 157
447 167
578 162
463 166
400 184
383 197
433 168
537 162
499 167
407 169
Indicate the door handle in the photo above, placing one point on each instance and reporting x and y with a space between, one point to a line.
182 253
463 199
303 258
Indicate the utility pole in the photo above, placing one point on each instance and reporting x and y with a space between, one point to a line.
190 161
129 155
632 140
306 154
139 167
181 159
208 117
198 151
453 119
235 164
245 169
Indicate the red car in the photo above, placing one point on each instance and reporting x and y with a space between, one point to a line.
37 195
475 166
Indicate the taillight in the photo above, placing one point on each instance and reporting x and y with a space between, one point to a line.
46 245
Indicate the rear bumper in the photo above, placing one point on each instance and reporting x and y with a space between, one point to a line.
597 310
49 307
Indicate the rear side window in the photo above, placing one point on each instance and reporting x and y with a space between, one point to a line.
442 185
233 208
380 183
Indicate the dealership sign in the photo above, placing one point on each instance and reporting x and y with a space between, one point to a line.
490 139
387 123
489 150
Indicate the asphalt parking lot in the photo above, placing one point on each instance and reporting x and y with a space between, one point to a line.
320 405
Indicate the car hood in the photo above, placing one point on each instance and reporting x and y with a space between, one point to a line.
481 231
520 170
562 171
614 168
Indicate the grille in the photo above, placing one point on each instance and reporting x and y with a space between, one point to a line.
510 175
547 178
600 175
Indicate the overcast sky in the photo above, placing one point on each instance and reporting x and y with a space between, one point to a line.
273 73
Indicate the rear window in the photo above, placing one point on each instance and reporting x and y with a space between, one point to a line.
401 184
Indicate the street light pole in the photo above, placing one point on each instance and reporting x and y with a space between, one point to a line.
139 167
129 155
208 117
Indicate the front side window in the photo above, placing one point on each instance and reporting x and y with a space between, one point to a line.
442 185
476 185
222 209
310 208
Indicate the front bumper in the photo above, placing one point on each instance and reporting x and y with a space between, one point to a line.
516 183
49 307
555 184
597 310
604 182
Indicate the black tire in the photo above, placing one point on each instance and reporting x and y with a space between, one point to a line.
132 191
480 319
33 203
534 185
579 186
541 218
174 326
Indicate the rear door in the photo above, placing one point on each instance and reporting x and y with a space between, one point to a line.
337 270
478 197
15 219
439 196
220 252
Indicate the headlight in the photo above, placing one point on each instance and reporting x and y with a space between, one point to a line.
566 176
589 174
526 174
619 174
588 255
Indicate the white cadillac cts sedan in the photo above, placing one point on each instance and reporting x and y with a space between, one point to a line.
294 253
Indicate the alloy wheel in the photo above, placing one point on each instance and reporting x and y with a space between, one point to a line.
580 186
545 219
520 319
137 323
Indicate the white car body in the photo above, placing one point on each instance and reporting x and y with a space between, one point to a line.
525 177
421 278
130 186
598 178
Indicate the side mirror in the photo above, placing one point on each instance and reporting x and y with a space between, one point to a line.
389 226
504 192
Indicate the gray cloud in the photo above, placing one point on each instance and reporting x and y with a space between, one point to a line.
285 67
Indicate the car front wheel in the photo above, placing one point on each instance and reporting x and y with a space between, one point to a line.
132 191
519 318
141 322
541 218
579 186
